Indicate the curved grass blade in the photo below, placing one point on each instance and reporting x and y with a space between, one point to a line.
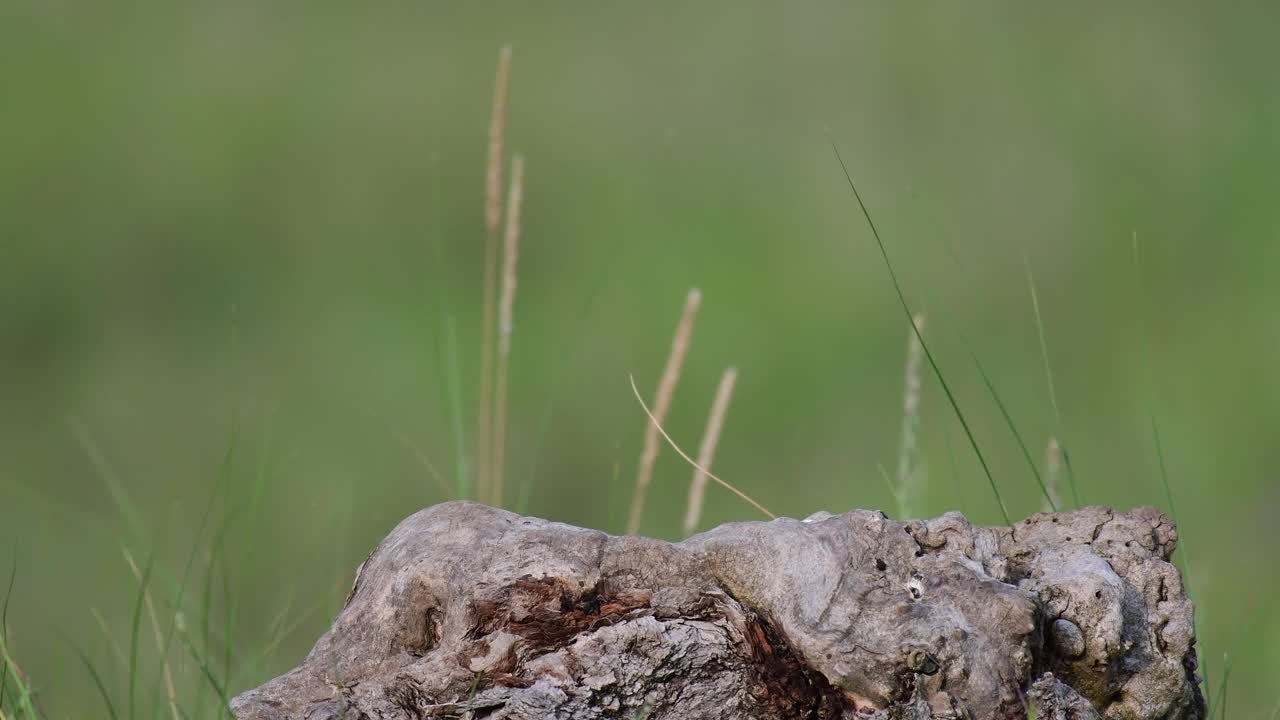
218 687
1050 502
549 406
4 624
1220 703
902 300
723 483
186 572
1150 393
955 469
23 689
97 679
445 348
1013 428
1048 373
134 629
125 505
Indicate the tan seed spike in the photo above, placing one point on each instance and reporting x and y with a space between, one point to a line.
497 136
1052 468
492 208
685 456
506 306
661 404
707 451
909 488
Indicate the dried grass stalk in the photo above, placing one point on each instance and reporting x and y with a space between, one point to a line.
685 456
661 404
492 209
1052 468
167 672
511 254
707 450
909 487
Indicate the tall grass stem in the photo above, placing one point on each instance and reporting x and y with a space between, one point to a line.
661 404
1052 468
506 324
909 486
937 371
1048 374
492 210
723 483
707 449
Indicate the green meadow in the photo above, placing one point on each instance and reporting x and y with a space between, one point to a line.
242 251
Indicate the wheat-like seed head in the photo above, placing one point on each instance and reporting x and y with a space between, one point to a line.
707 450
662 403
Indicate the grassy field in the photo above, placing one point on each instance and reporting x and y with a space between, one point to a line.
241 295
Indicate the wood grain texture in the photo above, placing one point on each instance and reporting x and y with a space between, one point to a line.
466 611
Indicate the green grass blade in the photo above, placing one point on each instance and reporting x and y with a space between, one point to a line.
1220 702
229 603
119 495
180 595
218 687
4 624
445 348
97 679
937 372
451 395
22 689
1150 393
1048 374
1013 427
1150 401
134 629
219 538
549 405
955 469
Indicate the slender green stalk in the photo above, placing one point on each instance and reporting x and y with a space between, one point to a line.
549 404
229 607
134 629
224 477
281 631
164 672
1048 373
955 468
119 495
1051 502
22 689
902 300
1155 434
453 370
217 686
4 625
219 539
1220 702
1013 427
1150 401
97 679
445 349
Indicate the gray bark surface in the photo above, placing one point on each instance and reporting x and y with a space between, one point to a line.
466 611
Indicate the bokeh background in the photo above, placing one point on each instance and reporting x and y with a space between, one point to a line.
234 233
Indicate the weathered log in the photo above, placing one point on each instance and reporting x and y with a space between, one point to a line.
466 611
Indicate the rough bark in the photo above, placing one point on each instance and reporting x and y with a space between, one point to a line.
466 611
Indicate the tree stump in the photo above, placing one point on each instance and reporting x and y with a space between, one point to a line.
466 611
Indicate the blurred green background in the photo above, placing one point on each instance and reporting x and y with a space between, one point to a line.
262 210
